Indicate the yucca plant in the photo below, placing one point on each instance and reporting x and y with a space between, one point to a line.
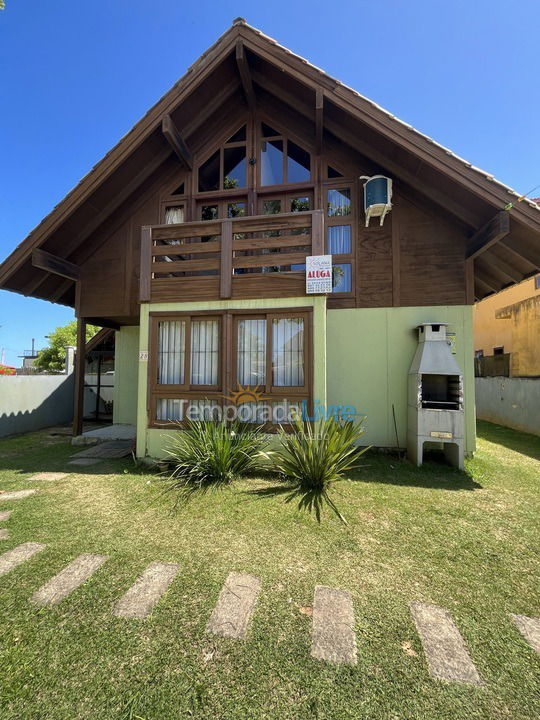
209 454
314 456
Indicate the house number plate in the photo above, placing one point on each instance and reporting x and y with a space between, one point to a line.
444 435
143 355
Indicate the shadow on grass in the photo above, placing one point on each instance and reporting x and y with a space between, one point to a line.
385 470
515 440
310 500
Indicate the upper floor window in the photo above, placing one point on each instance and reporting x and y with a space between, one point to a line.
282 160
226 169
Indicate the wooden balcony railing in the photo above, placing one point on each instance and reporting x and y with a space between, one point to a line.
254 256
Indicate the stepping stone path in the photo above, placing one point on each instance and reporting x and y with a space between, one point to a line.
16 495
4 534
333 638
49 476
445 649
12 558
68 579
529 628
235 605
141 598
4 515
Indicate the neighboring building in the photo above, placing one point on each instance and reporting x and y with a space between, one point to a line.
507 331
190 239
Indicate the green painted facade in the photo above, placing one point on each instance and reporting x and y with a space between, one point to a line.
125 375
151 441
369 352
361 358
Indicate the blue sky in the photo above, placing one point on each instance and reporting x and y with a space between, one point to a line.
75 76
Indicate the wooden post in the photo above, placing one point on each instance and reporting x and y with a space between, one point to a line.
146 264
225 288
317 233
78 397
396 258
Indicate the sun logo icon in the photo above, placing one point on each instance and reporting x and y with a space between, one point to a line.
245 395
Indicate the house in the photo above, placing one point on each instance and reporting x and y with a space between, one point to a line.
190 238
507 331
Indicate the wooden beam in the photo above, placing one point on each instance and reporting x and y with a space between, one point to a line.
484 287
486 280
61 290
469 281
525 250
503 267
146 264
225 284
176 141
103 323
54 264
494 230
319 120
317 233
78 397
245 75
396 256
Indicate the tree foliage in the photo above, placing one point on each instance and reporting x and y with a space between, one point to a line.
53 357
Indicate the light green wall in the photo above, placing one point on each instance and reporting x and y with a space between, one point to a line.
150 441
125 375
369 352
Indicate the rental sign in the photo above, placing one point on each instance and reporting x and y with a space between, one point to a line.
318 274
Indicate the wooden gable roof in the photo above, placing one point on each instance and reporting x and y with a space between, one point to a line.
504 245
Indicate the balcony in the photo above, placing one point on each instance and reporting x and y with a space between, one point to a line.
245 257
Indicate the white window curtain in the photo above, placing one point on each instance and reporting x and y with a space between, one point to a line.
339 239
251 352
169 410
174 215
288 352
171 352
204 352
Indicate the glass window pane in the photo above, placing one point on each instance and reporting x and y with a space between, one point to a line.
171 352
203 410
170 410
234 167
339 239
333 173
236 209
271 207
209 173
179 190
298 163
238 136
288 352
251 352
267 131
174 215
300 204
204 352
209 212
272 162
339 202
342 278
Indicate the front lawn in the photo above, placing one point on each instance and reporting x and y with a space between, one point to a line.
468 542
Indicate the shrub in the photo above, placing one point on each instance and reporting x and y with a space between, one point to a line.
211 454
315 456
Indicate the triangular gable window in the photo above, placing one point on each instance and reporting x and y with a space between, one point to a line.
226 168
282 160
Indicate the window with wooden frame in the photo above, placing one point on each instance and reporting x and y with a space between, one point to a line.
282 161
259 362
226 168
340 223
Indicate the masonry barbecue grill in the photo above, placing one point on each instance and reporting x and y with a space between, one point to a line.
435 397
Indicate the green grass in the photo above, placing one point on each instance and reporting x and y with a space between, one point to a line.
466 541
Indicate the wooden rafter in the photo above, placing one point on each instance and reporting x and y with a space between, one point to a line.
245 75
54 264
494 261
319 120
177 142
527 251
494 230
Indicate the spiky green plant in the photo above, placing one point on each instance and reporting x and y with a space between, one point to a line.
208 454
315 456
